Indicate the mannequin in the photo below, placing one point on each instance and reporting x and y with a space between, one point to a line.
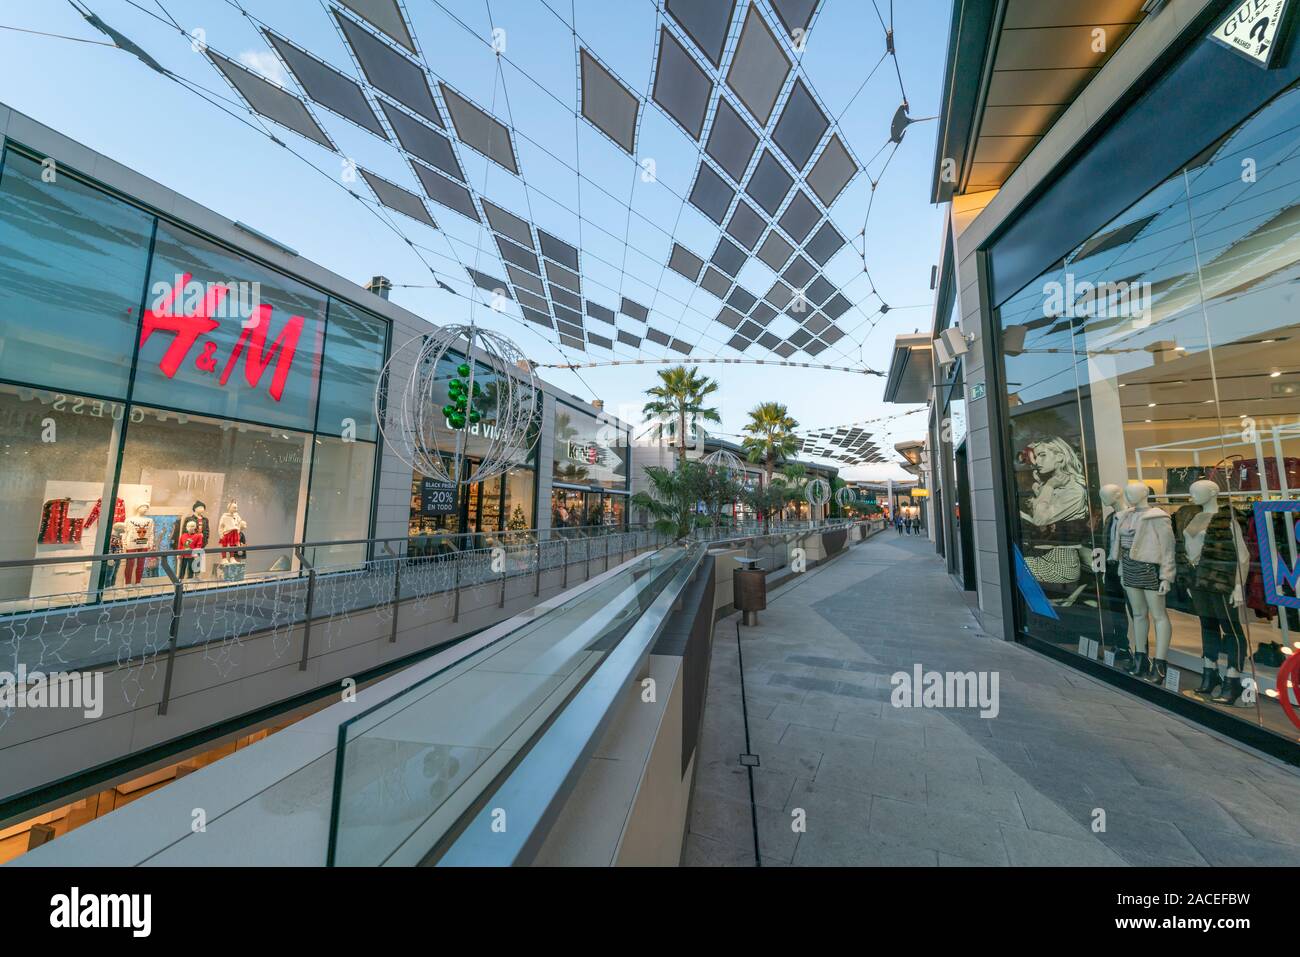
1213 563
1144 549
229 528
116 543
1119 618
191 539
199 516
139 538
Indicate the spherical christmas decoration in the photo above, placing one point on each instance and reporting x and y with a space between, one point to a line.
846 497
724 461
425 406
818 492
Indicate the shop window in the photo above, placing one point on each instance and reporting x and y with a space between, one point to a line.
242 484
55 471
339 504
1153 408
589 451
72 272
225 336
354 355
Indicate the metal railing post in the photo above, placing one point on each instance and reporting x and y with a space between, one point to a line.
455 580
501 600
606 553
537 574
178 608
565 583
397 597
586 551
308 608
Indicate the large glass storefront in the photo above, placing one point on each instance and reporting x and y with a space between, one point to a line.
1153 392
589 472
156 385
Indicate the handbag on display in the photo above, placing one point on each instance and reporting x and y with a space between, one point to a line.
240 554
1178 481
1058 565
1250 474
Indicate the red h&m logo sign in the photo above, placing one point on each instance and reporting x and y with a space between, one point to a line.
189 325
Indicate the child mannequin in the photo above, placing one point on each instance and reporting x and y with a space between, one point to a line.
191 539
139 539
229 527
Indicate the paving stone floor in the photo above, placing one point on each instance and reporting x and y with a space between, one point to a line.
880 785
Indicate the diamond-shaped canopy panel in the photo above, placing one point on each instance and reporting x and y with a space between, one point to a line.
607 104
389 71
270 101
327 86
422 141
706 22
681 87
384 16
758 67
479 130
395 197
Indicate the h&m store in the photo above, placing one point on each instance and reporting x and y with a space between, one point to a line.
170 374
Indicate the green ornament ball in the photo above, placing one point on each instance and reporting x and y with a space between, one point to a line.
455 385
448 411
463 368
458 420
474 416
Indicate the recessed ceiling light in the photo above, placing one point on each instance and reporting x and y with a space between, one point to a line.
1274 374
1151 405
1146 420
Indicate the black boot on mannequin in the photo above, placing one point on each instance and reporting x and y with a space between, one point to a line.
1156 674
1209 681
1229 693
1141 663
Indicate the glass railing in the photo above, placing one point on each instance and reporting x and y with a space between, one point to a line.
408 769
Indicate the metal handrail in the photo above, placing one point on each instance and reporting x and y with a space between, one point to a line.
536 789
642 538
588 531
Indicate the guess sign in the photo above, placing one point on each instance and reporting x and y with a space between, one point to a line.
189 327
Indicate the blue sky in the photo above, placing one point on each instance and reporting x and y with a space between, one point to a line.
108 100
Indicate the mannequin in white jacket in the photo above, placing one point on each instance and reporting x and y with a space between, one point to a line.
1144 548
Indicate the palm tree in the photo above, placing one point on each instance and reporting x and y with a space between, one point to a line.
680 396
770 436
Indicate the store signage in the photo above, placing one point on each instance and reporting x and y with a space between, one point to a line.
437 498
589 453
204 318
1254 30
1275 568
977 391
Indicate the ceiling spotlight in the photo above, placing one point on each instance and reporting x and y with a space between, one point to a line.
1274 374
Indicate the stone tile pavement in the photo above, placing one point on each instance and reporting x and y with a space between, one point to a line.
880 785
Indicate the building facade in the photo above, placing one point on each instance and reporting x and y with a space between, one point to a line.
165 372
1112 371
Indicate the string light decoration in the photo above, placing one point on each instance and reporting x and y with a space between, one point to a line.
818 492
846 496
725 461
428 402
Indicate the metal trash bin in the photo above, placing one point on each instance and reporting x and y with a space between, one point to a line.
750 589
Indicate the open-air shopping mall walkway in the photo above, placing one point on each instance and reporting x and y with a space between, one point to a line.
845 778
